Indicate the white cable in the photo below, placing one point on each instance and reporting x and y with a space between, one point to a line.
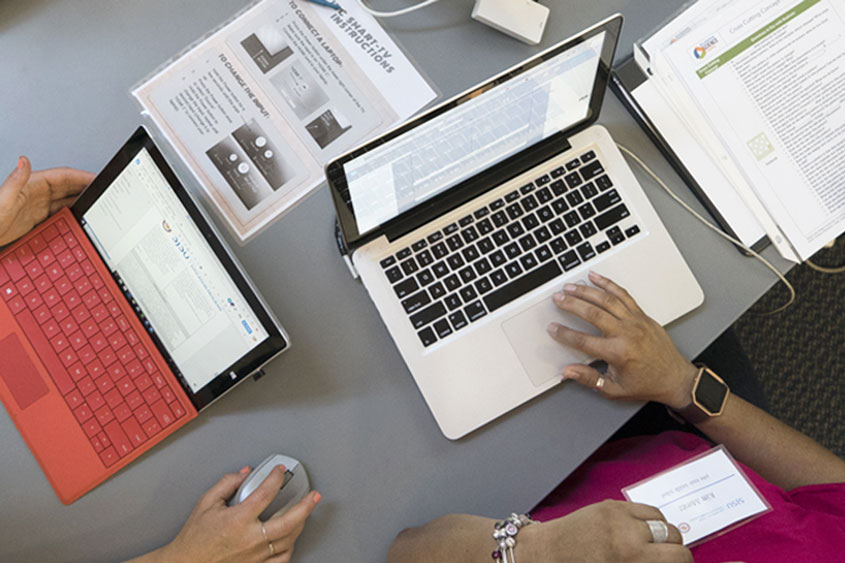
401 12
715 229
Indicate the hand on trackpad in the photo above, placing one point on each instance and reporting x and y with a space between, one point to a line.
542 357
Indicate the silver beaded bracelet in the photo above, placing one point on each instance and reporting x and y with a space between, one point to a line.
504 533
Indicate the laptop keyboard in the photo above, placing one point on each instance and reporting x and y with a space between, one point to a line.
503 250
98 363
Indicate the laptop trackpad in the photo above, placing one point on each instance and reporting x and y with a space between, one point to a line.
19 374
543 357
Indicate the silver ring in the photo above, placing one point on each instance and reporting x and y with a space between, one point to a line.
599 384
269 543
659 531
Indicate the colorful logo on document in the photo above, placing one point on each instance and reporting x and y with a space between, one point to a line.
701 50
166 226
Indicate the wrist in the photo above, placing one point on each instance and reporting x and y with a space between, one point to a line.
682 395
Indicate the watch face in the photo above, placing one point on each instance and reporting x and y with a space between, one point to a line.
710 393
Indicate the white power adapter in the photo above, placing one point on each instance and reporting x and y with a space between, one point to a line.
521 19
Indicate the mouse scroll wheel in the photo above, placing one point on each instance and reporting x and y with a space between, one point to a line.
288 477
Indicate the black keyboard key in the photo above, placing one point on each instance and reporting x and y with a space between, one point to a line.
501 237
467 274
437 290
404 253
450 229
569 260
499 218
572 238
405 288
464 221
482 266
588 229
486 245
545 214
615 235
427 337
515 230
513 196
591 170
454 242
573 180
542 235
560 206
587 210
543 253
455 262
558 245
571 219
425 277
603 247
458 320
528 261
497 258
513 269
439 250
452 282
453 302
514 211
428 315
485 227
388 262
529 203
611 217
573 164
558 172
468 293
416 302
419 245
632 231
499 277
530 222
469 234
527 243
409 266
526 188
534 279
606 200
497 204
475 311
394 274
543 180
586 252
442 329
590 190
588 156
603 183
483 286
544 195
470 254
481 213
558 187
574 198
557 226
424 258
434 237
512 250
440 269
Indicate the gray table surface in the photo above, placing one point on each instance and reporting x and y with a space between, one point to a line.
341 399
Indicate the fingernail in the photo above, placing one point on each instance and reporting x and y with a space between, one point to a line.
568 374
244 469
282 467
551 328
558 297
21 162
596 276
317 497
570 287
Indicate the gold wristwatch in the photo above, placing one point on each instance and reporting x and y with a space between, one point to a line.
709 395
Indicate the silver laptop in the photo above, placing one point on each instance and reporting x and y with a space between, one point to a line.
463 222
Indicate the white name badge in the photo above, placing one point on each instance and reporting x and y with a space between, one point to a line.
703 496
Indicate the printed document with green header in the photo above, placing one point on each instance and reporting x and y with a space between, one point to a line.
768 77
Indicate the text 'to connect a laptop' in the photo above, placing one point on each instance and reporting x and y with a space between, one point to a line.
465 220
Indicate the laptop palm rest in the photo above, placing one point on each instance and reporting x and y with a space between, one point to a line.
542 357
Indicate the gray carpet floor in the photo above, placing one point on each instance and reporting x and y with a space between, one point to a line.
799 354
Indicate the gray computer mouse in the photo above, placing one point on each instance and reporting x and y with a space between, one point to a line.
294 488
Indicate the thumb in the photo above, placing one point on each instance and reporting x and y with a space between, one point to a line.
589 377
223 490
16 181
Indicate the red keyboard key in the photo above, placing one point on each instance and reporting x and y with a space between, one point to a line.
98 342
116 371
59 343
60 312
100 313
50 233
51 329
96 281
113 398
77 340
52 363
74 273
66 259
168 395
126 354
57 245
135 369
104 439
38 243
83 287
118 438
96 369
151 395
80 255
134 400
74 399
42 315
90 328
77 372
33 300
51 297
72 300
117 341
63 285
91 428
151 427
86 355
140 351
70 240
177 409
108 356
68 357
54 272
82 413
104 383
25 286
113 308
125 386
4 277
108 327
88 268
105 294
17 305
132 338
143 382
95 400
133 430
13 267
80 313
34 269
46 257
162 413
143 413
159 380
61 224
9 291
150 365
122 323
43 283
122 412
104 415
98 446
86 385
24 254
109 457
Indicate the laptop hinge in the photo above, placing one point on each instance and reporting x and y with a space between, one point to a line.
258 374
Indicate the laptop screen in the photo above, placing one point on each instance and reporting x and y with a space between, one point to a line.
182 292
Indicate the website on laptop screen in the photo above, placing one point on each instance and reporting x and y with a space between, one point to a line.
185 296
487 129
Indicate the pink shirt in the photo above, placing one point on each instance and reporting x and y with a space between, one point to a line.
806 524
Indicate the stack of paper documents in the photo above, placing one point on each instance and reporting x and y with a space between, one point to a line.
749 95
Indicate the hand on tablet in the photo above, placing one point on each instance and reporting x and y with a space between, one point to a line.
27 197
643 362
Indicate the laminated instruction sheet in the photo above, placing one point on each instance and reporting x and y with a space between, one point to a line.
256 108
